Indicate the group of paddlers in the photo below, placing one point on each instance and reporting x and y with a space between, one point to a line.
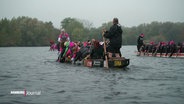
166 48
74 51
93 49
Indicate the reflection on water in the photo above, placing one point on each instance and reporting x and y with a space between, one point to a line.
146 80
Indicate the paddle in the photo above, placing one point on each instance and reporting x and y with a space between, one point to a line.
105 52
140 50
157 48
178 53
179 50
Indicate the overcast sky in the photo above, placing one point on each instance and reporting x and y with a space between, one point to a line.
129 12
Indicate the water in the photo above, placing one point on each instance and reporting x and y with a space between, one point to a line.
146 80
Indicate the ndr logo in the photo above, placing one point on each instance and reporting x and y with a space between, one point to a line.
25 92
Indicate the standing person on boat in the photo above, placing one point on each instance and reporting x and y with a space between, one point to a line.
63 37
115 37
140 42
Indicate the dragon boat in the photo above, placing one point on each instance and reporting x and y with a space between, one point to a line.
165 55
115 62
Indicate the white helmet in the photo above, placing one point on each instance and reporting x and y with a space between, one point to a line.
62 30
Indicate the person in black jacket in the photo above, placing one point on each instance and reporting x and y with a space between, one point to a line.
115 37
97 51
140 42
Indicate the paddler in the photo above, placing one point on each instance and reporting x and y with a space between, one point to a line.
140 42
115 37
62 38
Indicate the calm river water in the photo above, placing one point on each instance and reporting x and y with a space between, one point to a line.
33 70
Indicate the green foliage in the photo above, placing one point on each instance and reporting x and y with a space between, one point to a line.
74 28
25 31
79 30
156 31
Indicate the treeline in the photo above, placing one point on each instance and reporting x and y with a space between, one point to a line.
155 31
26 31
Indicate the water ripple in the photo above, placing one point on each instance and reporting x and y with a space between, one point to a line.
146 80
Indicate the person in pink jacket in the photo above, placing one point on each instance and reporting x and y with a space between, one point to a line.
63 37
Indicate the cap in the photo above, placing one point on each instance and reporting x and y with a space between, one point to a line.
62 29
142 35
